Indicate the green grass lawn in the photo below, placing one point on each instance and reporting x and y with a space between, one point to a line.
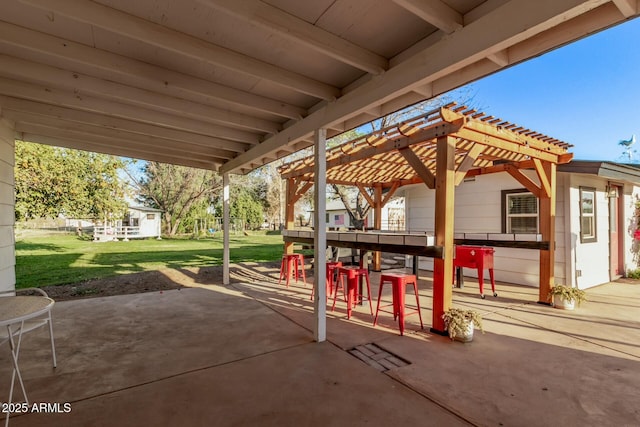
63 259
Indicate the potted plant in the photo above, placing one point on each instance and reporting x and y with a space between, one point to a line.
460 323
566 297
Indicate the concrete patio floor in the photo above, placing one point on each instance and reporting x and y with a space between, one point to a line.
244 355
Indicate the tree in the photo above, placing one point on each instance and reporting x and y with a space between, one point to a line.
245 202
176 190
52 182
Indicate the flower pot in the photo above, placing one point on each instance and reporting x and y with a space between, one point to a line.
467 336
563 304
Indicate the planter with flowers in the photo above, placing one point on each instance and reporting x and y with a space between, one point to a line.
460 323
565 297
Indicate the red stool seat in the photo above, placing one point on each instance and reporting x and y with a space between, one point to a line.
292 264
399 282
353 275
332 267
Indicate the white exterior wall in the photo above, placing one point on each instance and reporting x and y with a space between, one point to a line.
149 227
478 210
590 260
7 206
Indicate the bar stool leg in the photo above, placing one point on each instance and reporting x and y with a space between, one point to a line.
366 276
335 291
400 292
375 319
304 275
415 288
352 293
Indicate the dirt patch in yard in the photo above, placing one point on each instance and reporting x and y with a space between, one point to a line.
162 280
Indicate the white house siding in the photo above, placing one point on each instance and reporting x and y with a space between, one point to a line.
7 206
478 210
591 260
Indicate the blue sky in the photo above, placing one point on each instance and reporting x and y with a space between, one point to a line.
586 93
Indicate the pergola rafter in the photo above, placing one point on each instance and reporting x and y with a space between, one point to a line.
440 148
396 153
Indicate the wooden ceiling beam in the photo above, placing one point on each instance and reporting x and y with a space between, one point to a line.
435 12
128 150
20 89
165 38
110 66
166 146
81 84
15 106
79 129
627 7
291 27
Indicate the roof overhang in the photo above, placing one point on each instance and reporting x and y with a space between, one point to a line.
230 86
609 170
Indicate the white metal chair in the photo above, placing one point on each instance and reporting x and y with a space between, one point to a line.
31 324
17 330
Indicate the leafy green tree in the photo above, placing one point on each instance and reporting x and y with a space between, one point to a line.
270 191
176 190
245 200
52 182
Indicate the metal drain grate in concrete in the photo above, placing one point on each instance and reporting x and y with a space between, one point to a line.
377 357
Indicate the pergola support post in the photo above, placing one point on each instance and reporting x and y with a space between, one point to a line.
548 231
289 213
225 229
377 217
320 235
444 212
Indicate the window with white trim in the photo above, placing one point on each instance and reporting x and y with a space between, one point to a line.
587 215
519 212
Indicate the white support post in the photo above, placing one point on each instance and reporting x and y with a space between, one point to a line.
225 229
320 235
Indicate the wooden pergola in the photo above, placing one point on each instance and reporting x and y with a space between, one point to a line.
440 148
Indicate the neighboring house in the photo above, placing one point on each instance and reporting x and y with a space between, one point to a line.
140 222
595 221
338 217
148 220
392 215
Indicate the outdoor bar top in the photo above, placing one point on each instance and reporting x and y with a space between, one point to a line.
414 243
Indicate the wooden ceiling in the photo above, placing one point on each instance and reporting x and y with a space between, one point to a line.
405 153
231 85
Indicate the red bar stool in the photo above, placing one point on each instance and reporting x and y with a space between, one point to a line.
399 282
292 264
332 267
353 275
